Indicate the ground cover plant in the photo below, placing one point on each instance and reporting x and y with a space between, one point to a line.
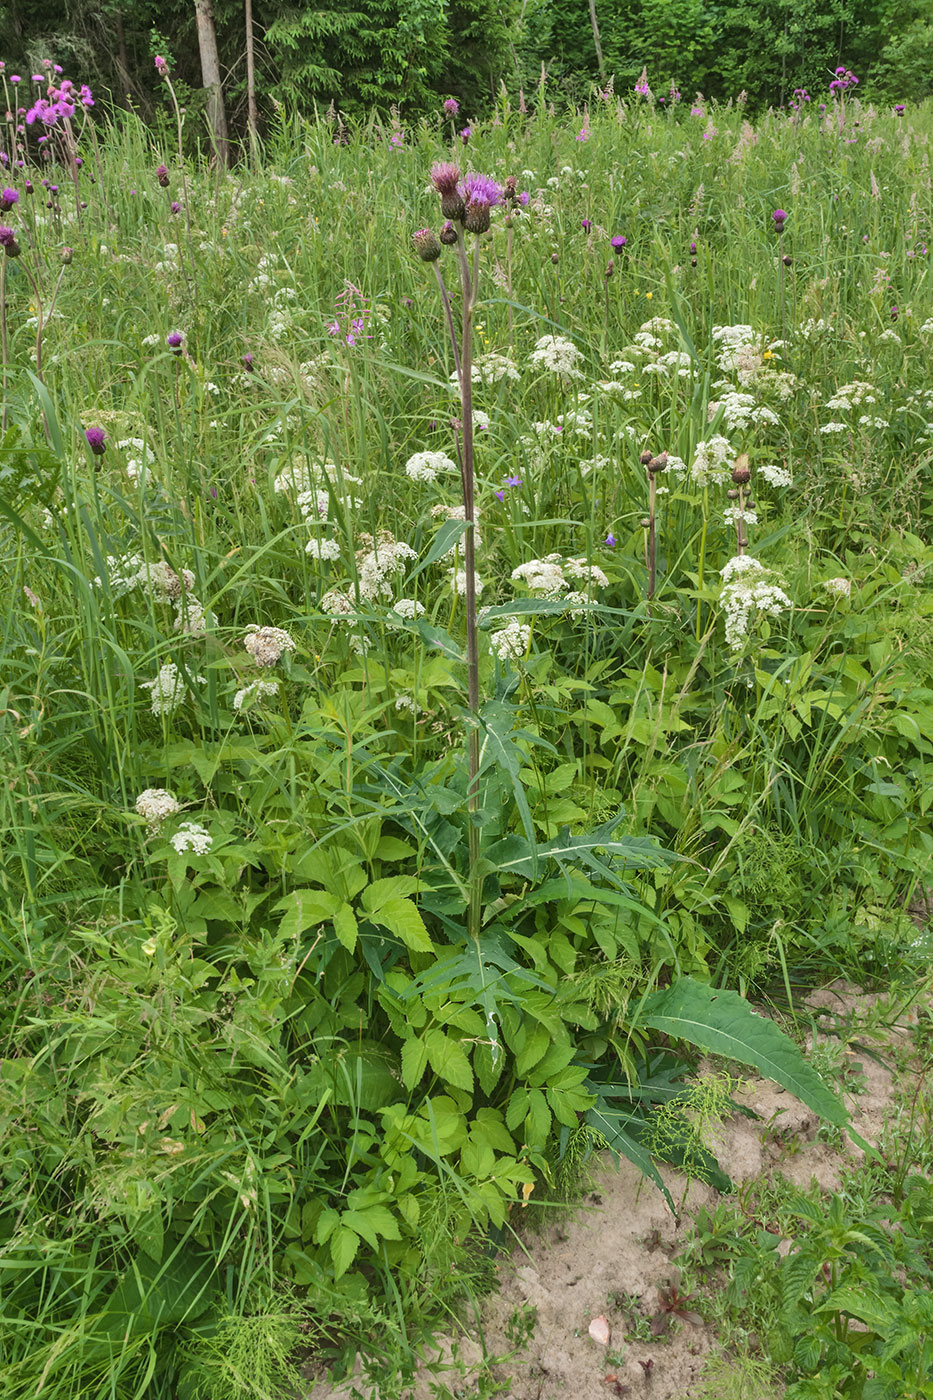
440 678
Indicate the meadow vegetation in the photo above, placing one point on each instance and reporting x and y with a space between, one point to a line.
339 918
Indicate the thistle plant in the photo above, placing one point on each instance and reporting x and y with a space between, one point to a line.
465 203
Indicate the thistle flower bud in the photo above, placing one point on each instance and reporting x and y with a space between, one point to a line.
645 458
732 494
787 260
162 176
448 235
657 464
610 268
780 218
8 242
645 523
555 259
426 244
66 256
741 474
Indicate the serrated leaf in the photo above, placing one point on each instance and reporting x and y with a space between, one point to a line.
721 1022
343 1246
414 1062
448 1059
345 927
305 908
401 917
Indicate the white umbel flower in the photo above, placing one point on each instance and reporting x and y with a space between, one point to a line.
558 354
511 644
426 466
542 575
168 689
155 804
842 587
255 691
774 475
266 645
748 589
712 462
191 836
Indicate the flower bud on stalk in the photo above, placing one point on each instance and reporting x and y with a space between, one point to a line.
426 244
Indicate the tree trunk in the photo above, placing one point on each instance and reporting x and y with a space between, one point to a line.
253 113
599 47
210 77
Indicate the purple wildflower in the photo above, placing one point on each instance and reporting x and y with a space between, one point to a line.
479 193
175 341
8 198
524 198
500 495
451 106
87 97
175 207
465 134
161 66
162 175
8 242
96 439
611 541
780 218
586 225
618 241
247 361
900 109
513 481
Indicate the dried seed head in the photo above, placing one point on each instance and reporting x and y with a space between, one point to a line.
741 474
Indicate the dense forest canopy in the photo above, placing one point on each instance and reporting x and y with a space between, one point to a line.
410 53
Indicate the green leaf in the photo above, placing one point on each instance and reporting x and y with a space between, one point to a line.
873 1309
448 1059
305 908
401 917
343 1246
414 1062
722 1023
345 927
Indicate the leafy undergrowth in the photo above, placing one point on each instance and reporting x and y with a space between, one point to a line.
328 938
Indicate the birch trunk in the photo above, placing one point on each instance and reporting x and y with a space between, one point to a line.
253 113
210 77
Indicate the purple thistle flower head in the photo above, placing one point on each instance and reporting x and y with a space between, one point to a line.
96 440
248 361
780 218
465 134
524 198
87 97
175 207
8 242
618 241
175 341
162 175
161 66
445 177
451 106
15 78
586 225
448 235
900 108
8 198
479 194
38 77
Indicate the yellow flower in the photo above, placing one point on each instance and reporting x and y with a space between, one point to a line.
648 296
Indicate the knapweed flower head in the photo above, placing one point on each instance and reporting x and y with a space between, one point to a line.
96 439
426 245
479 193
155 804
8 198
266 645
451 106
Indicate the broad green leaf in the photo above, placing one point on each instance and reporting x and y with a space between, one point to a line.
305 908
393 887
414 1062
448 1059
873 1309
722 1023
345 927
343 1246
401 917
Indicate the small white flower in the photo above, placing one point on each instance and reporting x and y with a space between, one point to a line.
542 575
191 836
325 550
337 604
828 428
405 704
558 354
256 690
405 608
774 475
840 586
733 514
458 582
168 689
425 466
511 644
266 645
155 804
712 462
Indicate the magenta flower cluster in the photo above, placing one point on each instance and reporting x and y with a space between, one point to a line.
843 80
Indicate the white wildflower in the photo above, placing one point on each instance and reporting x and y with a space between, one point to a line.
542 575
733 514
191 836
405 704
828 428
267 644
558 354
840 586
328 550
378 564
337 604
155 804
406 609
458 582
314 505
163 582
511 644
591 574
774 475
748 589
425 466
168 689
712 462
492 368
190 617
256 690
